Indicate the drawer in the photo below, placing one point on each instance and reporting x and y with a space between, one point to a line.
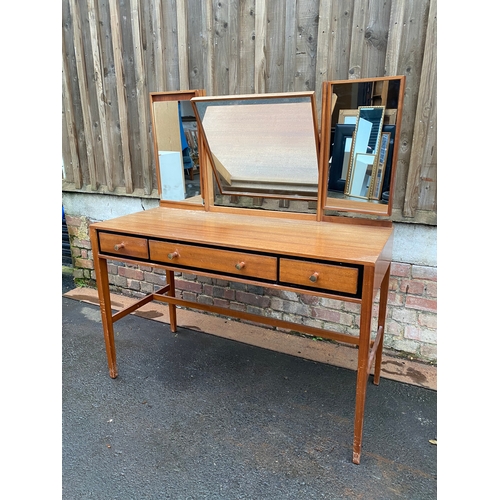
214 259
324 276
129 246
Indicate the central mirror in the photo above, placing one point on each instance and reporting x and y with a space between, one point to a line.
361 122
261 145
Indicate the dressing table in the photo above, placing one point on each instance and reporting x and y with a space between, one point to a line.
265 214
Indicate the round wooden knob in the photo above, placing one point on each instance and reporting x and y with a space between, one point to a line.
240 266
314 277
173 255
121 245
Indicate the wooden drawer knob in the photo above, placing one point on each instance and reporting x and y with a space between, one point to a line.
240 266
120 245
314 277
173 255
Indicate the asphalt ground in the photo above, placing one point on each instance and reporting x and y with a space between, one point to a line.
196 416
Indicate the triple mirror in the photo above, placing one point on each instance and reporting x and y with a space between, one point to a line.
361 123
267 146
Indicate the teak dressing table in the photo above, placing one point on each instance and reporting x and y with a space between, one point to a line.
266 214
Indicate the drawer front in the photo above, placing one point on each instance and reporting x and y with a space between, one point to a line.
324 276
212 259
129 246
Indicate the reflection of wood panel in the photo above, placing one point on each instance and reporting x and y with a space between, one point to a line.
168 132
264 144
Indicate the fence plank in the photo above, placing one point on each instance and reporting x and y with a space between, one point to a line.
260 45
359 22
246 82
182 44
376 34
116 40
70 126
101 100
307 35
142 96
83 88
421 184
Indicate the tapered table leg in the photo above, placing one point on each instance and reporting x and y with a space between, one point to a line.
101 274
363 362
172 309
382 312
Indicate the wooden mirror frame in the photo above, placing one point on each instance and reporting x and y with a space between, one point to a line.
155 97
330 205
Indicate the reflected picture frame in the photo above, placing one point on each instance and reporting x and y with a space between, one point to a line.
360 176
339 162
377 180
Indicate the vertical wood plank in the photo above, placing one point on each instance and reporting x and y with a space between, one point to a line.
110 90
196 46
84 98
101 98
234 57
182 44
376 34
70 125
116 39
290 55
422 170
260 46
324 41
142 96
409 20
171 55
221 47
359 21
208 41
276 44
157 46
307 33
246 50
340 49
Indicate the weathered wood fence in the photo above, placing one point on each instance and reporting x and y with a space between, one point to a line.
115 52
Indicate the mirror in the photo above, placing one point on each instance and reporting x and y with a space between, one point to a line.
361 119
261 146
176 147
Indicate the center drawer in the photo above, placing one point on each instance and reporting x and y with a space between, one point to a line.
313 274
214 259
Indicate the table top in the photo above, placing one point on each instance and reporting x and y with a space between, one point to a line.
331 241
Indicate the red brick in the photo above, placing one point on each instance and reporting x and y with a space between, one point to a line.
420 303
400 269
188 285
412 287
325 314
131 273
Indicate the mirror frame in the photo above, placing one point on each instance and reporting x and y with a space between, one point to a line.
182 95
310 95
359 206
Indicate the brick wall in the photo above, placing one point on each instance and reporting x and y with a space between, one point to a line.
411 326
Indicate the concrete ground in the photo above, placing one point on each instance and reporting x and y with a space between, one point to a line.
198 415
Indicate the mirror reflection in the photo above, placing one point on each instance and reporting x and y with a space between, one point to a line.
364 151
362 117
262 145
175 140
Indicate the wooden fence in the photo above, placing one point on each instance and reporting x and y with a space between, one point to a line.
116 52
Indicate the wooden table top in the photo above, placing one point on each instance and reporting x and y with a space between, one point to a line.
331 241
